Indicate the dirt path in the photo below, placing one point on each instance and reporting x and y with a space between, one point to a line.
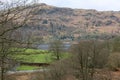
39 74
27 71
26 75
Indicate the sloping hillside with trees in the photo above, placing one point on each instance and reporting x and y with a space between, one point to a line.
51 22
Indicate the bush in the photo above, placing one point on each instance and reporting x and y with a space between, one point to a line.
114 61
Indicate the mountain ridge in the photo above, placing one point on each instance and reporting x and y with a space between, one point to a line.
51 22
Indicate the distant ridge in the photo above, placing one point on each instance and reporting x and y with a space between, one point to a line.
51 22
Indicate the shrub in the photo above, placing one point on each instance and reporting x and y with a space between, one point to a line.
114 61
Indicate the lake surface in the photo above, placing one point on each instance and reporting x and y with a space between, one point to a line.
46 46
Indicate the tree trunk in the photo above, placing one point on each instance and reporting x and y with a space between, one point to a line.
2 69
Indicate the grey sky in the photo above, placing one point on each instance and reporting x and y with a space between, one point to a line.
86 4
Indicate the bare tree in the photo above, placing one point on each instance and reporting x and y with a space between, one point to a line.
57 47
116 44
13 15
89 55
58 70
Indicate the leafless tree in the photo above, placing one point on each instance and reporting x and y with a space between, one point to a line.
57 47
13 15
89 55
57 71
116 44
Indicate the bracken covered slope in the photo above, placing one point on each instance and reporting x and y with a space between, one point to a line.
51 22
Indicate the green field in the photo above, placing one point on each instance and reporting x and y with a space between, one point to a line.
24 67
35 56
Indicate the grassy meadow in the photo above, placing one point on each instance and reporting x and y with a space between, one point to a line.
36 56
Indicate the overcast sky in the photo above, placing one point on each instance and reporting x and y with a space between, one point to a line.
86 4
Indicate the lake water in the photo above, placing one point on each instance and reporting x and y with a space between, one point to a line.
46 46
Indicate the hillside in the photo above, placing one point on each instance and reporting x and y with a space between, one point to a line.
51 22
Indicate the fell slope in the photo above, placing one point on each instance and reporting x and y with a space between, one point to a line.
51 22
